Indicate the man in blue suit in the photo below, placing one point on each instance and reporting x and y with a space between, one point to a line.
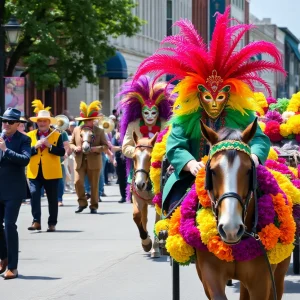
14 157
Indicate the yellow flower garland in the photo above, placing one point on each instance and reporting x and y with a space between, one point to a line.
279 253
262 126
294 103
206 224
292 193
161 225
272 154
261 100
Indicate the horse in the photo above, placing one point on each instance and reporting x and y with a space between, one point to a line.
141 191
230 183
87 138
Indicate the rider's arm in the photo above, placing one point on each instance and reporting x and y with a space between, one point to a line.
178 152
128 143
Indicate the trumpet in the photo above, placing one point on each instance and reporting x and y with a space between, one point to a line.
62 123
107 124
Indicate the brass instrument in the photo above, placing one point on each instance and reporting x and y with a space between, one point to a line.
62 123
107 124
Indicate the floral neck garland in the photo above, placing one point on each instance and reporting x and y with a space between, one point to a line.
190 230
144 129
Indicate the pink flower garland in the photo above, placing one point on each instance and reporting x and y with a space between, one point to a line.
279 167
188 228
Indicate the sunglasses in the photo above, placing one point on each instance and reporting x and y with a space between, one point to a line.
10 122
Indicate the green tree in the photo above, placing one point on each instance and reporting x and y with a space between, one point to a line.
65 39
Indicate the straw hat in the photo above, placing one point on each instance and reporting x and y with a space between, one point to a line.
89 112
42 112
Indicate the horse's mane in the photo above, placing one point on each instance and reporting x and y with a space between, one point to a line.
230 134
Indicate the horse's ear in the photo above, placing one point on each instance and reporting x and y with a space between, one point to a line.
135 137
249 132
153 140
210 135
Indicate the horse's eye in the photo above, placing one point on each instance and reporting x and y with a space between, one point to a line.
213 172
80 135
92 136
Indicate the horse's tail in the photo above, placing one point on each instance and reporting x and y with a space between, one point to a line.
157 157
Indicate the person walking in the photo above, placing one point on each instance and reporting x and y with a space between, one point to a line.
44 169
14 157
88 163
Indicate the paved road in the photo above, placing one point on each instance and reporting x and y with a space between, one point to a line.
98 257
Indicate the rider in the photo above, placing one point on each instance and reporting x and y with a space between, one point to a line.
145 106
216 87
88 163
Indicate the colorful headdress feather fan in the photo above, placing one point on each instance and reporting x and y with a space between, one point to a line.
144 91
38 105
90 111
188 59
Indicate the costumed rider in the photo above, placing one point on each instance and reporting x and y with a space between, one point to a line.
216 86
145 107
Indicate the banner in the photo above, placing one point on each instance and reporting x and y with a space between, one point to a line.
14 93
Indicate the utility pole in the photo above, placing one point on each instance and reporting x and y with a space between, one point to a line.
2 57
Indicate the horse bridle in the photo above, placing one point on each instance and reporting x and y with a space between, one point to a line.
215 203
141 171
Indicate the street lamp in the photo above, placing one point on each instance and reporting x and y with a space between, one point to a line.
12 30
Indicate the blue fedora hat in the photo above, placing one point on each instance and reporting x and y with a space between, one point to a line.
11 114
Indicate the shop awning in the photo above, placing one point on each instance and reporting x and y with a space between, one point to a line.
116 67
293 45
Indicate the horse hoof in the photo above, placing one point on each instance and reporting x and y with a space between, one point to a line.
155 253
147 246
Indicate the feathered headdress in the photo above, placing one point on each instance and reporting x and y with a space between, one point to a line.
41 112
221 68
143 91
89 112
38 105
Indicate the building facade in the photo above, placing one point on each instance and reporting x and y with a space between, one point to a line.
159 16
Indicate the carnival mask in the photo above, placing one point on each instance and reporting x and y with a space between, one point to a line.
214 97
150 115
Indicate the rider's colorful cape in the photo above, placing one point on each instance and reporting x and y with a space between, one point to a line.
224 70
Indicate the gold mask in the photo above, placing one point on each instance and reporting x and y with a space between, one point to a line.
212 99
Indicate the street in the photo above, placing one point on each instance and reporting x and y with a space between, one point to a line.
99 257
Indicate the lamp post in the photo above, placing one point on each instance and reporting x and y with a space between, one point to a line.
12 31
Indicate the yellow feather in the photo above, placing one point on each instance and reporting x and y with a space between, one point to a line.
38 105
94 106
83 108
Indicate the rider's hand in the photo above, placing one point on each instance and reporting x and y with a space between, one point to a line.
78 149
195 166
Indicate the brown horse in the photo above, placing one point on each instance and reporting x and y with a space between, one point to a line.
141 191
230 191
87 138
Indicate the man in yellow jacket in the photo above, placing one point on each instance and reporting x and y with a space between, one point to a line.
44 169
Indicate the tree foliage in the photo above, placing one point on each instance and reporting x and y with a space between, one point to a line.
65 39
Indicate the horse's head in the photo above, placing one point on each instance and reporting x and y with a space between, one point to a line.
230 178
87 138
141 161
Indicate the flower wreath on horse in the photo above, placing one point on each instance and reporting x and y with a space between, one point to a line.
210 212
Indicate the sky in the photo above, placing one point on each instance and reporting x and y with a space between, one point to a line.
283 13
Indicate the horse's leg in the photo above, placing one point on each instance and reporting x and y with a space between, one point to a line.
214 274
144 214
279 275
200 277
155 252
244 294
137 217
258 286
